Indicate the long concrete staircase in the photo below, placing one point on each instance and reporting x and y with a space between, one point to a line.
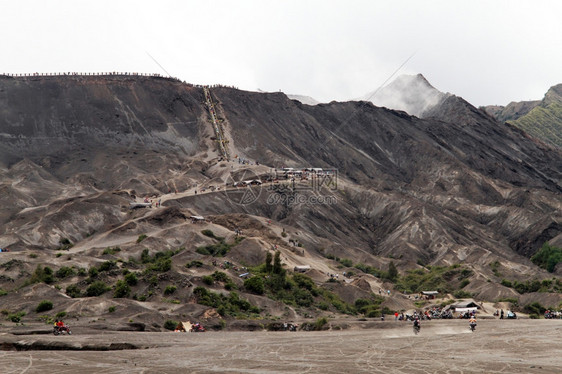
217 127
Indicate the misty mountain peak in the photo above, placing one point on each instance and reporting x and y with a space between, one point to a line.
410 93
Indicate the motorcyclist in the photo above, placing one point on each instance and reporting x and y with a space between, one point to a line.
472 322
61 327
417 323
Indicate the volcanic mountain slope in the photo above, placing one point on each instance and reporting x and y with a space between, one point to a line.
456 187
473 156
541 119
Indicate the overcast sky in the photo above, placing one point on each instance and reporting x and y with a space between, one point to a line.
489 52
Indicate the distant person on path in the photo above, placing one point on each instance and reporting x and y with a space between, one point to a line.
501 314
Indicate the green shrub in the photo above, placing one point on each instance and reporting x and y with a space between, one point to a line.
131 279
211 234
65 244
547 257
361 303
528 286
392 273
93 272
60 314
304 281
111 251
495 268
464 283
170 325
230 286
194 263
65 272
373 313
43 306
16 317
440 278
367 269
145 256
461 294
277 265
320 323
506 283
208 279
219 249
303 297
219 276
42 274
512 300
73 291
255 285
107 266
465 273
153 281
323 305
346 262
3 292
170 290
111 309
161 265
97 288
161 261
122 289
231 305
534 308
141 238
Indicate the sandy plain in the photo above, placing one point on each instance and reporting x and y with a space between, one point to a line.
447 346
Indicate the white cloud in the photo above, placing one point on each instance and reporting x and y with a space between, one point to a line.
487 52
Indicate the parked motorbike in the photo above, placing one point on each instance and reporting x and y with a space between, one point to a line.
197 328
61 330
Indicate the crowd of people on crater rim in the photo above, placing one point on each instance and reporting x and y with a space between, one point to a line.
112 74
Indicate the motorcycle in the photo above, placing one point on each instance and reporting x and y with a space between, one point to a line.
197 328
417 329
472 326
61 330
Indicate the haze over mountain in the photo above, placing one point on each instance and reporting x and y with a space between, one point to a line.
410 93
304 99
541 119
454 187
